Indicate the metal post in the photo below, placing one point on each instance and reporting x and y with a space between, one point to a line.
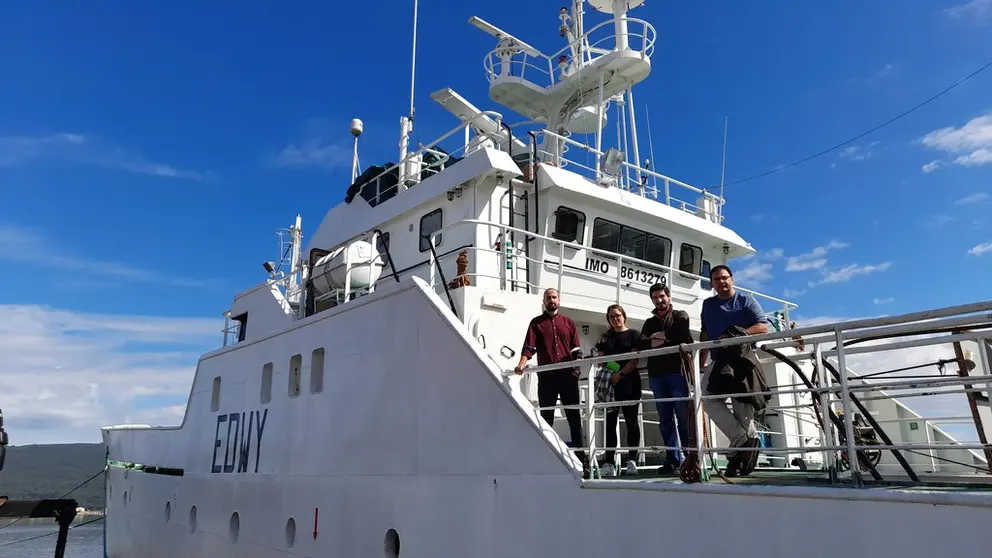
227 326
697 398
619 267
599 129
825 406
591 418
852 453
432 261
933 459
972 404
561 263
633 138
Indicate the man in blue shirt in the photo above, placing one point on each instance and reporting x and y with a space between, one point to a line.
727 309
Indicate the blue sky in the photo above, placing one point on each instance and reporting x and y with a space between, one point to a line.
148 152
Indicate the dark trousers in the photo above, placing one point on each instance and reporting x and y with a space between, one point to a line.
550 387
629 420
668 385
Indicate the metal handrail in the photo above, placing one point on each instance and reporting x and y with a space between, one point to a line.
629 259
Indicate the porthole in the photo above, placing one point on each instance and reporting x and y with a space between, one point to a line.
192 519
125 498
235 527
290 532
168 511
392 544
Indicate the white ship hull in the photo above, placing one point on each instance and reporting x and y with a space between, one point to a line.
427 439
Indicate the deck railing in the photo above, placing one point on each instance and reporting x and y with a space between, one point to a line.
508 267
820 344
510 60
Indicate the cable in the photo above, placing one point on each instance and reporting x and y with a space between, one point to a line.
77 487
36 537
863 134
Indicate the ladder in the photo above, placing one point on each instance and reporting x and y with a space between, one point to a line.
514 248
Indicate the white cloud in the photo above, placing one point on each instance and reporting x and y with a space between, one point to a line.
972 143
791 293
888 300
976 11
857 153
814 259
313 148
89 150
848 272
22 245
931 166
981 249
973 198
976 158
66 374
937 221
753 275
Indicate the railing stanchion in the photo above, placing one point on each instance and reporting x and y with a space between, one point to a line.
619 268
590 418
561 264
827 433
697 397
852 454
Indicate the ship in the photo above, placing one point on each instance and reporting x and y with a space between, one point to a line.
363 400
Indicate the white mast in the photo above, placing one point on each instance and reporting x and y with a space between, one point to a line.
356 130
406 122
723 165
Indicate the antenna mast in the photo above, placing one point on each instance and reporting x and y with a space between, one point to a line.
409 169
723 165
413 63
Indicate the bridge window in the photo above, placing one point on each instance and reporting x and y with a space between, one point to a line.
430 224
705 283
317 371
570 225
215 396
266 394
295 364
631 242
691 259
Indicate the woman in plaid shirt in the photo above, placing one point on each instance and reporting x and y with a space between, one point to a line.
626 387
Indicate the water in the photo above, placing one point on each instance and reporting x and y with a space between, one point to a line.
85 541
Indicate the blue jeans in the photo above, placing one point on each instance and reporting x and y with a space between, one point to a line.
666 386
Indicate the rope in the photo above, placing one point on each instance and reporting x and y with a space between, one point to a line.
77 487
36 537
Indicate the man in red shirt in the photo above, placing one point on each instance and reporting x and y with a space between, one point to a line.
554 338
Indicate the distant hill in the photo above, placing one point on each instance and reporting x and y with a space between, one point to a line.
49 471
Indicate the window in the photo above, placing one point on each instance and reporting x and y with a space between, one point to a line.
381 246
430 224
295 364
605 235
215 396
242 326
705 283
317 371
266 395
570 225
631 242
691 259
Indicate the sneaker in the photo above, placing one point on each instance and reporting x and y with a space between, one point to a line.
608 470
750 459
631 467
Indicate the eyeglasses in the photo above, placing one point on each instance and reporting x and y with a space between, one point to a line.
615 316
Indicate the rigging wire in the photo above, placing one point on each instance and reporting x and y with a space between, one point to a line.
77 487
863 134
36 537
